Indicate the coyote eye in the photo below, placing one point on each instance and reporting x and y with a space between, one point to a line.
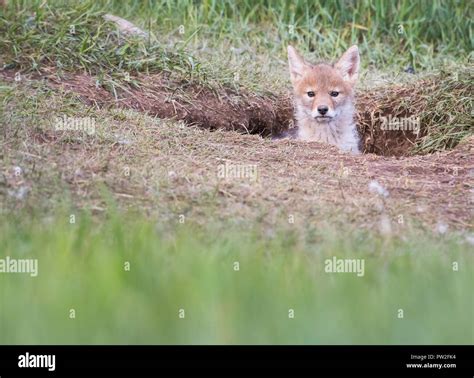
334 93
310 94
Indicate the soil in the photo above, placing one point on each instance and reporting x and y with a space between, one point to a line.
243 112
431 188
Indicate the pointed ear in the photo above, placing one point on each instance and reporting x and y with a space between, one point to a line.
348 65
296 63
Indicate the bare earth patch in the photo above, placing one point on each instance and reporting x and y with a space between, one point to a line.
169 169
380 109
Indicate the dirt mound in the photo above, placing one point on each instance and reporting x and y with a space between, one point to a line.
195 105
176 168
392 120
427 115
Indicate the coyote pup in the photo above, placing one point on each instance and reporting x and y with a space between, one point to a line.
324 99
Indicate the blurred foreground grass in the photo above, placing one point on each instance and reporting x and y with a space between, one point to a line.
82 267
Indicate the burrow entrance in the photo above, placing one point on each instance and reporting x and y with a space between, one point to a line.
392 120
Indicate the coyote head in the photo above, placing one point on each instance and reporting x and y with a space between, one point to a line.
324 92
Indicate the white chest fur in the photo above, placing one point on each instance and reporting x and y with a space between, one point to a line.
341 132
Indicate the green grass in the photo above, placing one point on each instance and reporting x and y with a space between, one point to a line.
95 46
224 37
173 267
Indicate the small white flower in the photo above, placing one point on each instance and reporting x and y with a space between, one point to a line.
470 239
20 193
18 171
375 187
441 228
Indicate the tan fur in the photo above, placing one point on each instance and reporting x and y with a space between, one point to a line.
337 125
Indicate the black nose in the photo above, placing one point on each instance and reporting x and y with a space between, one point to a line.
322 109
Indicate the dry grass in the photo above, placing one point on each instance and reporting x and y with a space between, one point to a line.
440 103
169 169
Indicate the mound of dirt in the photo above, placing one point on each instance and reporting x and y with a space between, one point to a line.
176 168
381 112
195 105
426 115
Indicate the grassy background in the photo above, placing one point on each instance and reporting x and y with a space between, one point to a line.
220 38
81 267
